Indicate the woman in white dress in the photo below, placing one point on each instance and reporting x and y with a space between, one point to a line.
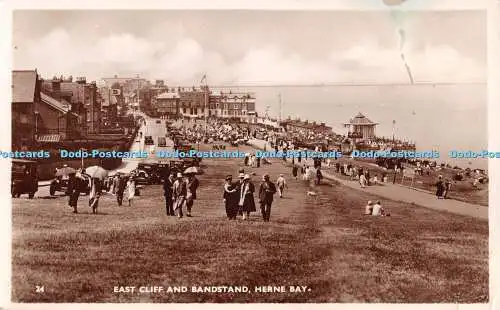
130 190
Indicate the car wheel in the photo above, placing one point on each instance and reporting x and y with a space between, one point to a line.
31 195
52 191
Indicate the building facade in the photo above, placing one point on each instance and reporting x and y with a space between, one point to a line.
55 121
167 104
83 99
234 105
25 101
193 102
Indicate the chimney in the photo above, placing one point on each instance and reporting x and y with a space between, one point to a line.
81 80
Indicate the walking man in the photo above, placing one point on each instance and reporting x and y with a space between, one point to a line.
74 186
294 171
319 176
266 192
168 184
281 182
179 194
120 185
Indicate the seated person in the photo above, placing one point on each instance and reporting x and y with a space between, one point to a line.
378 210
369 208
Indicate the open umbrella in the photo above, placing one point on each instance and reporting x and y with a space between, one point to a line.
65 171
191 170
97 172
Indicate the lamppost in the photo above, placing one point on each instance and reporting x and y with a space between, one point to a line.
82 150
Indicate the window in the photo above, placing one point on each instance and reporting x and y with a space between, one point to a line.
236 106
23 119
225 106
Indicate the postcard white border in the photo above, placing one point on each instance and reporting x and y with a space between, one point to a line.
493 111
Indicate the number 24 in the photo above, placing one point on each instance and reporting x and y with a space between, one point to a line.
39 289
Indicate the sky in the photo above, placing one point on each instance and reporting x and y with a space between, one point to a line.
272 47
266 48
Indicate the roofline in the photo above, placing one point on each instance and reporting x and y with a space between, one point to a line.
22 160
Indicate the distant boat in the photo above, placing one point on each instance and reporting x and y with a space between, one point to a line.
413 113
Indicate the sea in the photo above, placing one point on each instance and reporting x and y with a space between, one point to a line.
433 116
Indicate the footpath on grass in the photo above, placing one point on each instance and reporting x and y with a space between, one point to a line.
402 193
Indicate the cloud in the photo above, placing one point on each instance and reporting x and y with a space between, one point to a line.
182 60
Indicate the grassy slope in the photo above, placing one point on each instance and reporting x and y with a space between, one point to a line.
416 255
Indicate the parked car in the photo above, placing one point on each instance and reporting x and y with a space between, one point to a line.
24 178
141 177
152 170
162 142
60 183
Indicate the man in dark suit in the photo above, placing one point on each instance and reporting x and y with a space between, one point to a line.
168 183
266 192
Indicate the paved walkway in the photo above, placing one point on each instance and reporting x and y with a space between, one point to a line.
127 165
404 194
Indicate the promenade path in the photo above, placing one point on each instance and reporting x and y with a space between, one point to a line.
402 193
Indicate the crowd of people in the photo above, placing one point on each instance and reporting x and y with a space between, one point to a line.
120 186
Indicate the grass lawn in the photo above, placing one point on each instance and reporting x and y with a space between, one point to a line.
324 242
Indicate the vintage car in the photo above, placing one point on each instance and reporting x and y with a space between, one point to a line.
152 171
60 183
142 177
24 178
148 140
162 142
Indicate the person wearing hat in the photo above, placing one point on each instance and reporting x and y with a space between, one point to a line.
369 208
281 183
440 187
378 210
238 184
246 202
120 185
266 192
73 191
168 184
179 194
130 190
230 197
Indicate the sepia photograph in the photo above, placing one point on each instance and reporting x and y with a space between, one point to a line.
249 156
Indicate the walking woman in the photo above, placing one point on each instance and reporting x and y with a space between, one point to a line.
230 198
95 194
130 190
294 171
440 187
246 202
